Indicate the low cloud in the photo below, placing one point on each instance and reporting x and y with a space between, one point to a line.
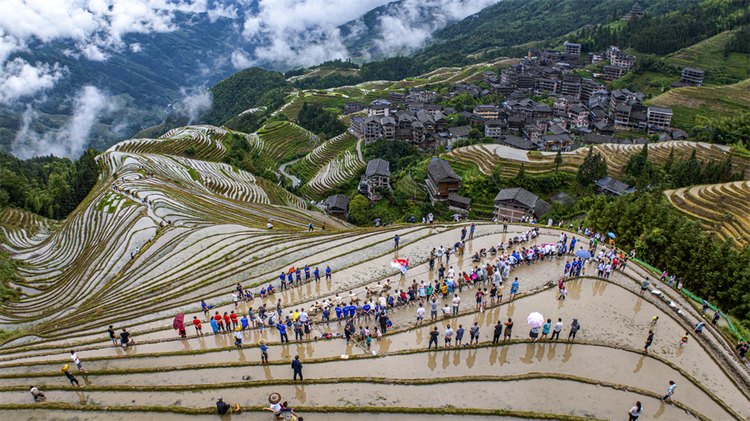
193 105
19 79
73 138
410 24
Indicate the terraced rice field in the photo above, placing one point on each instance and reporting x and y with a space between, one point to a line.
206 140
308 167
284 140
724 208
165 377
335 172
486 157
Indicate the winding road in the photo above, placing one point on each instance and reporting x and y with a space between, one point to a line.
282 170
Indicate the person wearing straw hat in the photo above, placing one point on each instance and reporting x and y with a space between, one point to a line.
275 407
69 375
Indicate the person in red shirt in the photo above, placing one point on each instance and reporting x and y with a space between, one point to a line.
197 324
233 317
219 321
227 321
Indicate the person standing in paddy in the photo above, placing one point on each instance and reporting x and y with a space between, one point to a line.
434 338
73 380
282 277
471 231
508 329
497 332
263 351
635 411
282 332
328 273
316 272
574 328
649 341
670 392
448 337
297 368
77 361
456 303
514 289
463 233
198 328
474 332
112 335
395 241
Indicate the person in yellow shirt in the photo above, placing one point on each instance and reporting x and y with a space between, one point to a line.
295 315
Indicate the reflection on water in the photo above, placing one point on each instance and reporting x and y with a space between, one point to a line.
639 365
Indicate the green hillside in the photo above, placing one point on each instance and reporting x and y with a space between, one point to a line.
515 22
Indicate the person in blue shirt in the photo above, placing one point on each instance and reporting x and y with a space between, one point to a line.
395 240
567 269
514 288
283 280
243 320
463 233
317 275
270 289
471 232
263 352
327 315
328 273
366 310
572 245
298 274
282 331
339 313
204 306
263 292
307 272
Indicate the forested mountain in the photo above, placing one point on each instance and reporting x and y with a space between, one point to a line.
515 22
669 33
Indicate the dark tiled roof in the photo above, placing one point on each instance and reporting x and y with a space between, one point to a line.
541 208
460 199
613 185
338 202
378 167
460 131
441 171
592 138
518 194
516 142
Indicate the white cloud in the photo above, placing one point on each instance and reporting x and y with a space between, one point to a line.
192 106
240 60
411 23
301 32
18 79
219 11
73 138
136 47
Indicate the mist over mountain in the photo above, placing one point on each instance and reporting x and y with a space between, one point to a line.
129 63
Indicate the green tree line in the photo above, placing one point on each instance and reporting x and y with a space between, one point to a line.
48 186
668 33
317 119
711 268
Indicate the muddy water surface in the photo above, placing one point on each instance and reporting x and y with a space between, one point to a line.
592 362
44 415
562 397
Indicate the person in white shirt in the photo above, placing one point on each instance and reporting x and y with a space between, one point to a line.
451 273
76 360
556 330
275 408
635 411
448 337
446 310
420 314
456 302
303 317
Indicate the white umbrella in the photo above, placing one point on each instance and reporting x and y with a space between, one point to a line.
535 319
